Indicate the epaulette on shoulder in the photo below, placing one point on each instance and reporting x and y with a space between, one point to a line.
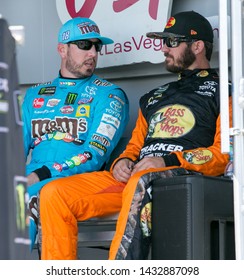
41 84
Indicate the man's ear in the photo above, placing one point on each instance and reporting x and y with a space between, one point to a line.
62 49
198 47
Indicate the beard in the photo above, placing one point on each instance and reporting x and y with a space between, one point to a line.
76 69
180 64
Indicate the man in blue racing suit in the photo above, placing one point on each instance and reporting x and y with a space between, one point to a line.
72 124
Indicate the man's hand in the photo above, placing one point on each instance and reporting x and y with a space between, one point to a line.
123 169
32 178
147 163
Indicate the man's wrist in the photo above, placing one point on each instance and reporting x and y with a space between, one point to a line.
171 160
43 173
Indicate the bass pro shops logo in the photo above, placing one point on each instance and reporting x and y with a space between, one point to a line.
172 121
71 98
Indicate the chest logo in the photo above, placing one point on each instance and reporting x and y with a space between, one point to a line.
171 121
71 98
38 102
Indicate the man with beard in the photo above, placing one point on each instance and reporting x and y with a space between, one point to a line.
177 133
73 123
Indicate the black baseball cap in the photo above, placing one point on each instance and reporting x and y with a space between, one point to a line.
188 24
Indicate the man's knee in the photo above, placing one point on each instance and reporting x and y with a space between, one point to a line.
49 190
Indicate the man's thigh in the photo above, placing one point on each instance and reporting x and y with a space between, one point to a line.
86 195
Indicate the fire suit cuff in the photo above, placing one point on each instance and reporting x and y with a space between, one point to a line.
171 160
43 173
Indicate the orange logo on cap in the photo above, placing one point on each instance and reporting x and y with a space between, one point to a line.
193 32
170 23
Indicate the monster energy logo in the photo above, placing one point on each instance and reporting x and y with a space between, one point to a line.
70 99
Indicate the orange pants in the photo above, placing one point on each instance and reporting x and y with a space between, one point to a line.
65 201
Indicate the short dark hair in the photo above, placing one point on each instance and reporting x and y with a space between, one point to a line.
209 49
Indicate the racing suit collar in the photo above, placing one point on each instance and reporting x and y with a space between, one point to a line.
199 72
64 82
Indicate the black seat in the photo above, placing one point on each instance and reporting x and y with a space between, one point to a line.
193 218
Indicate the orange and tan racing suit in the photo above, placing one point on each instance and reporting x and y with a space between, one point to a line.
180 122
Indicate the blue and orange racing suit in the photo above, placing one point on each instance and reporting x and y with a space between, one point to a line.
71 126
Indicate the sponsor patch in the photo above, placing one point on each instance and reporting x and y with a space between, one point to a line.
116 106
171 22
41 84
110 119
117 98
112 112
160 90
104 141
99 82
98 146
198 156
106 130
47 91
74 161
67 109
69 84
91 90
44 111
83 111
53 102
161 147
59 124
171 122
38 103
85 100
203 73
71 98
